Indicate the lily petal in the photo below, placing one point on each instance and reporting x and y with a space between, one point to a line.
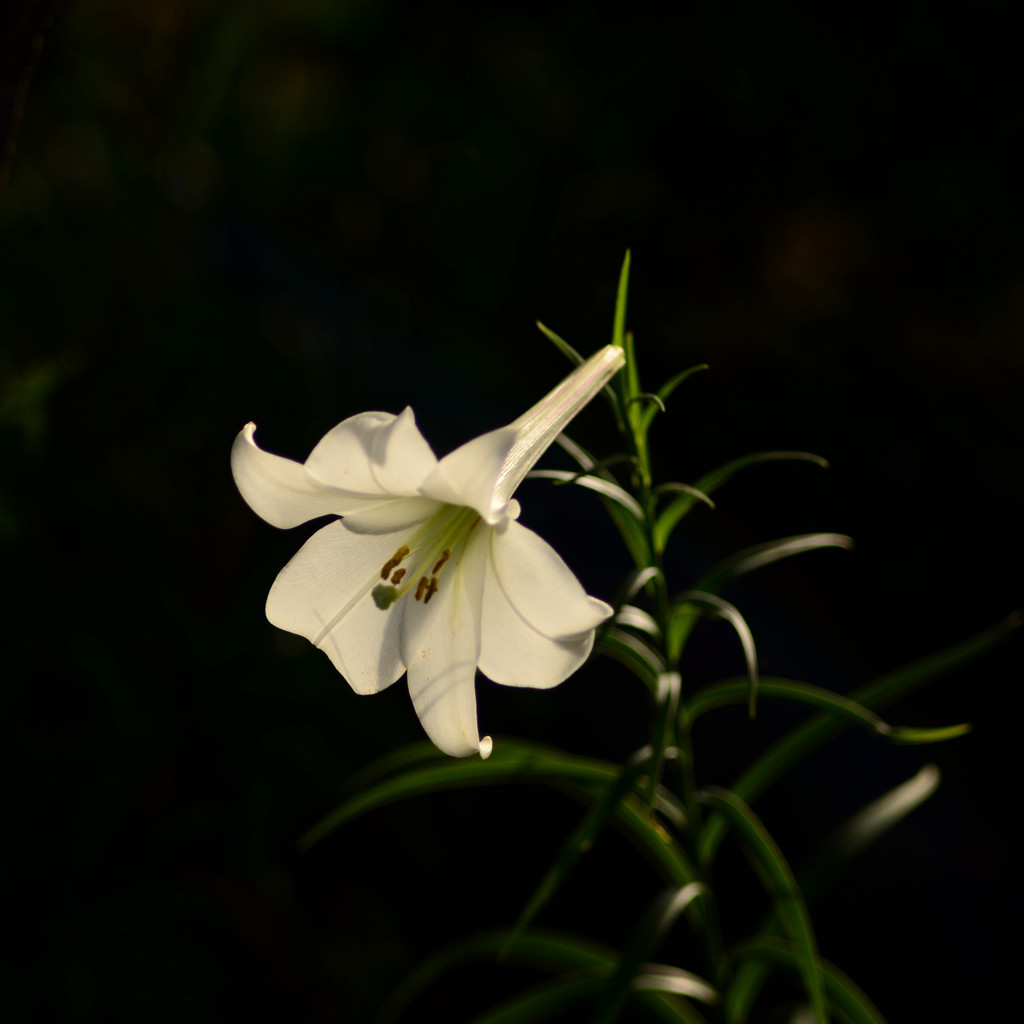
441 647
373 453
538 427
468 475
513 653
392 515
541 587
324 594
277 489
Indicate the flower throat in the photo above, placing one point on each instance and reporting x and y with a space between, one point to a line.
432 545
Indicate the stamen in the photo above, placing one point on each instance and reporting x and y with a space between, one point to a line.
445 555
431 590
420 587
394 560
397 578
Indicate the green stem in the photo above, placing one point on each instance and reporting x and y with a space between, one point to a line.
671 725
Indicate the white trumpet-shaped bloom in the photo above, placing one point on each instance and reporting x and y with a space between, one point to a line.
428 571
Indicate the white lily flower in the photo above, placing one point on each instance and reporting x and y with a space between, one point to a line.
428 571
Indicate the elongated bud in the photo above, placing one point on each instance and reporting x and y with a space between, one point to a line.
538 427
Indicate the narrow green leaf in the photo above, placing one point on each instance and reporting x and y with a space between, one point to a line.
636 618
581 841
626 383
512 761
561 953
637 580
761 555
634 536
849 1002
646 937
605 488
735 691
561 344
746 561
631 375
802 741
666 389
647 836
651 398
671 515
781 887
391 763
619 323
722 609
829 862
663 394
589 463
629 650
894 685
666 715
550 1001
601 468
647 414
913 737
576 452
679 488
665 978
633 533
717 477
865 828
539 949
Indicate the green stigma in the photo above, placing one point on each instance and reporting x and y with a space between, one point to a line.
384 596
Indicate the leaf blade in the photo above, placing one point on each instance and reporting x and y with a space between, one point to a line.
653 925
734 691
803 740
781 887
723 609
849 1001
580 841
673 513
598 484
760 555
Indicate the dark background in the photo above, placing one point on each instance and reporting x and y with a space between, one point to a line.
293 210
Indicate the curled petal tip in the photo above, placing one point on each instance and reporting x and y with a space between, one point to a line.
486 746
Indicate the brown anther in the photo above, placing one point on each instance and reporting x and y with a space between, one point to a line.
397 578
431 590
420 587
445 555
394 560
